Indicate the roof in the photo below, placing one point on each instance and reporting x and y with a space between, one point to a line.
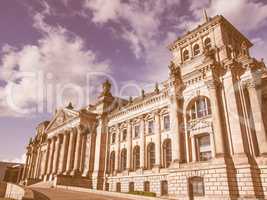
202 27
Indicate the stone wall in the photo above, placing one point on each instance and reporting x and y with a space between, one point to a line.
220 181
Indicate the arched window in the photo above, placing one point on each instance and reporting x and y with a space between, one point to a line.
150 155
198 108
136 157
112 162
196 49
185 55
167 153
207 43
123 159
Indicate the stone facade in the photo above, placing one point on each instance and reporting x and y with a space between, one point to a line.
200 135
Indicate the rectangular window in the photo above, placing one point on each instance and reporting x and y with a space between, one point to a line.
136 131
151 127
131 187
118 187
164 188
166 120
204 148
146 186
197 185
113 138
124 135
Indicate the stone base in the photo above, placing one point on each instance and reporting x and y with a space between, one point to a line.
30 181
74 181
222 179
98 183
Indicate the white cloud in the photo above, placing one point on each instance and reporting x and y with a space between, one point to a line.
60 55
21 159
260 48
141 22
247 15
103 10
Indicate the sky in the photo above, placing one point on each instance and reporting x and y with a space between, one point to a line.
53 52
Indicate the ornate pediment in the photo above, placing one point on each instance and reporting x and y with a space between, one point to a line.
61 117
199 125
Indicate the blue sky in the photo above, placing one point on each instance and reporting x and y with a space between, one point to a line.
47 49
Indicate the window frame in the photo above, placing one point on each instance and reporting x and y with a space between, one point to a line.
207 45
124 135
186 56
207 146
113 138
146 186
194 111
123 160
151 155
137 133
197 182
136 151
167 155
150 130
164 122
196 51
112 162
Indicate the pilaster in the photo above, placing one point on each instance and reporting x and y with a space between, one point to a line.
158 138
129 145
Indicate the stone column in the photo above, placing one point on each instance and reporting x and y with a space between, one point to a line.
63 154
230 90
77 157
56 154
176 153
83 149
142 144
51 155
129 145
219 147
117 159
37 164
194 150
158 139
45 170
25 171
31 165
70 157
88 155
256 111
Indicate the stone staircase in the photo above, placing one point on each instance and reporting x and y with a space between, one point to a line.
46 184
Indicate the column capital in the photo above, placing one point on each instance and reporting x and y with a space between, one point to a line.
142 117
213 83
117 127
156 112
250 83
80 128
129 121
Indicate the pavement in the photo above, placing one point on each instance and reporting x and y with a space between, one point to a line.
63 194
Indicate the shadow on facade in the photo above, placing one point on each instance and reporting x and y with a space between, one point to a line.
256 179
232 179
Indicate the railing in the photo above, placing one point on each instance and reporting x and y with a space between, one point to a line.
14 191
